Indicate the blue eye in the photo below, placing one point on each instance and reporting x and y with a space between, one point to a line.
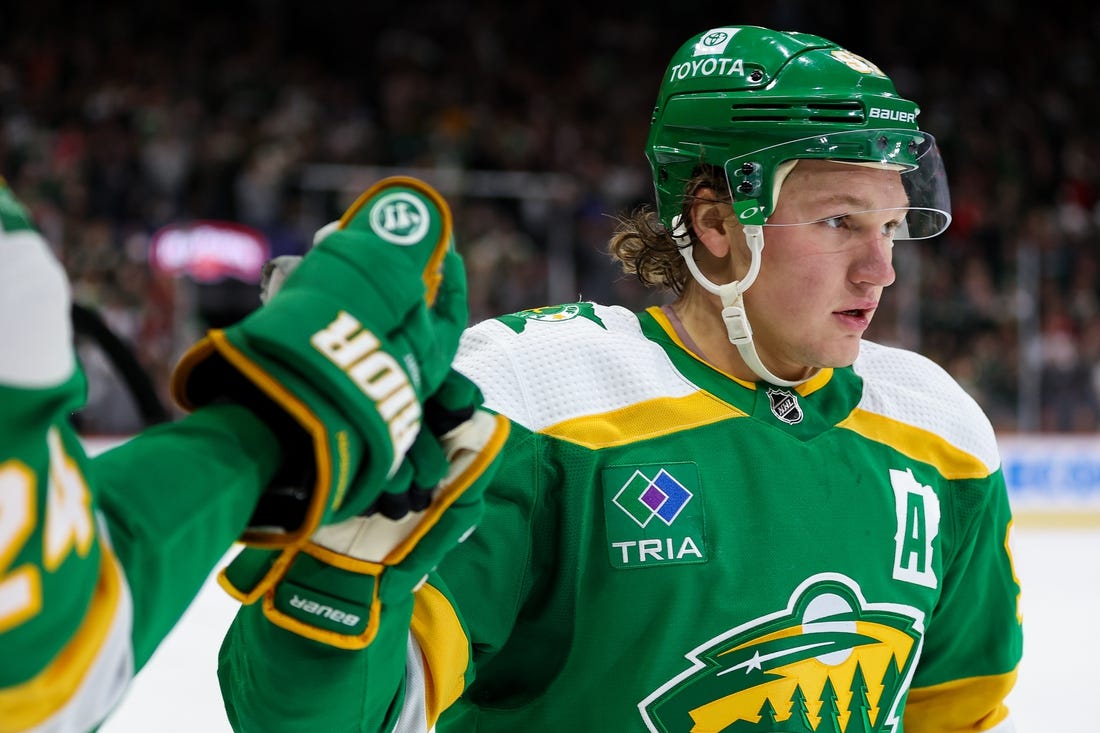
836 222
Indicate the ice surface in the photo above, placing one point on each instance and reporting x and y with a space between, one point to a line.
1059 569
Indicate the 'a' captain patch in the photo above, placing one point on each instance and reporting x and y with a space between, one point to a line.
654 515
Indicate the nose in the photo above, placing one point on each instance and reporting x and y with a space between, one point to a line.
874 262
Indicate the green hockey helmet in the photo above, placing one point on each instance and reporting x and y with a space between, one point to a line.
749 100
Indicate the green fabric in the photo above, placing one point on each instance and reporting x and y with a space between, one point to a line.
357 335
551 609
68 582
167 504
175 498
13 215
322 600
304 689
776 588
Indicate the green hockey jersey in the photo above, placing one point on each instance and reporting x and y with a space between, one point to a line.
668 548
98 558
65 608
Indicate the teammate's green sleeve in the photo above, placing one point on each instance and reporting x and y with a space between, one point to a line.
203 476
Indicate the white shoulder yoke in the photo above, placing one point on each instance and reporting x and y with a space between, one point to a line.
557 370
35 326
912 389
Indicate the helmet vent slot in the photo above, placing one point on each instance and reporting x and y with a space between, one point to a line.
827 112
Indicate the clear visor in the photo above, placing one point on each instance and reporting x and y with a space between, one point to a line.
920 209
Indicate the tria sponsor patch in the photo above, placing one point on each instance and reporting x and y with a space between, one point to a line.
654 515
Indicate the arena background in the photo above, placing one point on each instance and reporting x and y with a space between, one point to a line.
165 150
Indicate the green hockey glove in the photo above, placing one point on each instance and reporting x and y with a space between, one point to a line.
340 359
336 588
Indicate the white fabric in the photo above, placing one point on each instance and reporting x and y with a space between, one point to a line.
374 537
36 338
915 390
414 711
275 273
597 370
588 376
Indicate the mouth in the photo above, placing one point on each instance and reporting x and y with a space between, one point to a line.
856 317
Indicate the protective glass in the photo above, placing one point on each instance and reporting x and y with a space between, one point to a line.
911 152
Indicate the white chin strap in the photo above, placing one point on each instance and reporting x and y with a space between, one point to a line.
733 305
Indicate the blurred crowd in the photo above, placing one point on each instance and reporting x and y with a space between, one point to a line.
118 119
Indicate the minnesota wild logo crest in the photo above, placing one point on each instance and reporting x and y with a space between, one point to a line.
551 314
829 662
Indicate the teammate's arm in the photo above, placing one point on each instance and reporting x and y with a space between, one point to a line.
98 559
201 478
428 648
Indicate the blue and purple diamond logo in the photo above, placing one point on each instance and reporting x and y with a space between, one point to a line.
643 498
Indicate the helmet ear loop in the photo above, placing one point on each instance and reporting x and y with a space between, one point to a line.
729 292
737 320
734 316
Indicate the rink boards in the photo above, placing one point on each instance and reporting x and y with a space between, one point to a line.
1053 480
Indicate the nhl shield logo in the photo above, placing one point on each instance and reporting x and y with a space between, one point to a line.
785 406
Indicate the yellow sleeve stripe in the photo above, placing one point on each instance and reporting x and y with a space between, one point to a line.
29 704
446 650
962 706
916 443
649 419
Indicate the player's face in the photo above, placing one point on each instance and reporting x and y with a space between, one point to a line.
820 282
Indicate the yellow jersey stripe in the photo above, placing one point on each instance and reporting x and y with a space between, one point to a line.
959 705
916 443
34 701
446 650
644 420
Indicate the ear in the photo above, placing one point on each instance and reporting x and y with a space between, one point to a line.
709 222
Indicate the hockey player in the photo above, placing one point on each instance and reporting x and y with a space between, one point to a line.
308 411
729 513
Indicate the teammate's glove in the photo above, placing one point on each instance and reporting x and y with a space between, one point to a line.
336 588
340 360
